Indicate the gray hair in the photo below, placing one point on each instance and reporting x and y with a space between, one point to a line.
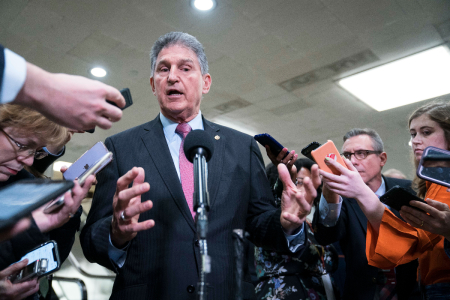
179 38
377 143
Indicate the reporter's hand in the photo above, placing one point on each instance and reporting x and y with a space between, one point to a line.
282 158
128 201
16 291
9 232
72 201
72 101
435 216
295 204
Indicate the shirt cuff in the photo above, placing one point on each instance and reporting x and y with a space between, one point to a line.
329 212
14 76
57 155
297 240
117 256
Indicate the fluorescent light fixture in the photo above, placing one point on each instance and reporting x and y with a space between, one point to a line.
204 5
411 79
98 72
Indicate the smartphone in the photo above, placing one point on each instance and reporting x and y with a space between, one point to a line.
20 198
397 197
94 169
87 161
128 102
30 271
434 166
44 261
307 150
328 150
265 139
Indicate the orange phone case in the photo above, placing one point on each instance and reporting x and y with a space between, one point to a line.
328 150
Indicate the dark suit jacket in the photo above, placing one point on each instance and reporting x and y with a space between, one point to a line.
164 262
350 231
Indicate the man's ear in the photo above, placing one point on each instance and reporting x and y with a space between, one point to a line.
383 158
206 83
152 84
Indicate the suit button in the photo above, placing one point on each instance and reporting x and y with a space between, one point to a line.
191 289
197 243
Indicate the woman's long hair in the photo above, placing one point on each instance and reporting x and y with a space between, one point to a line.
438 112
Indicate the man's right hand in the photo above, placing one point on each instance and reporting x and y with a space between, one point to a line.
127 201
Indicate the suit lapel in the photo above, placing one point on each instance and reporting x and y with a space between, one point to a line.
155 142
216 162
353 204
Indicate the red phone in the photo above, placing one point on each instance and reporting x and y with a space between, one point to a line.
328 150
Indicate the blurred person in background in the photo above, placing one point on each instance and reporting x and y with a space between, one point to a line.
391 241
394 173
298 275
23 135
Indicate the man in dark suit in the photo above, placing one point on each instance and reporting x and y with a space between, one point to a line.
342 220
164 262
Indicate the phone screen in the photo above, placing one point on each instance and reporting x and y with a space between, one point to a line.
18 197
47 251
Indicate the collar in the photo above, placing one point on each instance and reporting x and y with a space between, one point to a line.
382 189
169 126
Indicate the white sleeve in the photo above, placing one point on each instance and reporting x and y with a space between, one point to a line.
14 76
329 212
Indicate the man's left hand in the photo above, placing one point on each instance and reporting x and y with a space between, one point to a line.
295 204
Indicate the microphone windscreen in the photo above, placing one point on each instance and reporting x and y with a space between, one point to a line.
198 141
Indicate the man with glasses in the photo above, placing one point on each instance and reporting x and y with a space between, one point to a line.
341 219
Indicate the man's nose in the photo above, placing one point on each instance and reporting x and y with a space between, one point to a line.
173 75
354 160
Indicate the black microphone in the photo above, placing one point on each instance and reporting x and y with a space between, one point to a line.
199 148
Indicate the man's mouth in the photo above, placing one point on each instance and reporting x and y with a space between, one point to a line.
174 92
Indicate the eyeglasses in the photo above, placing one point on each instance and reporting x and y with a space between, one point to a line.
38 154
359 154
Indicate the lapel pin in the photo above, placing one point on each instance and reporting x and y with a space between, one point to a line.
217 137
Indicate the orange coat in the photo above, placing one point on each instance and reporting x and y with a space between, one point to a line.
398 243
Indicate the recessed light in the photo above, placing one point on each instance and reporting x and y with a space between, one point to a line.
204 5
98 72
408 80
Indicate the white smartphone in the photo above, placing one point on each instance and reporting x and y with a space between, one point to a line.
43 260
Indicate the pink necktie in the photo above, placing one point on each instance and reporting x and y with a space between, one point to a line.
186 169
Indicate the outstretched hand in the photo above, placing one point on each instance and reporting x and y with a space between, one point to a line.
295 203
127 207
434 216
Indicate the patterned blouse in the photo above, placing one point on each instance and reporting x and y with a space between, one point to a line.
295 276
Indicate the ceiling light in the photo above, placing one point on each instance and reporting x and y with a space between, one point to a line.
204 5
98 72
411 79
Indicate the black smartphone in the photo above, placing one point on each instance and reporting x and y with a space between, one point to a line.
265 139
128 102
44 261
397 197
20 198
434 166
307 150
